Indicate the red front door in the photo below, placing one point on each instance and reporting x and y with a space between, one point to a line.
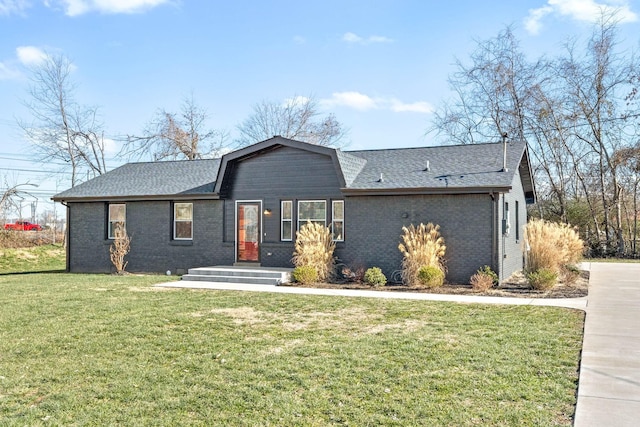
248 226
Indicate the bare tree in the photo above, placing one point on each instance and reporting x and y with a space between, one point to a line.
491 93
298 118
596 84
177 136
60 127
571 110
12 196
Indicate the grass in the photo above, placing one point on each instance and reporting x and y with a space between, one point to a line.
33 259
103 350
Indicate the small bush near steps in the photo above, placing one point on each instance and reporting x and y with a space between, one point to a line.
430 276
305 274
375 277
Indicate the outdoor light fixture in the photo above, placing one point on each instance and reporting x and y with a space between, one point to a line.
267 212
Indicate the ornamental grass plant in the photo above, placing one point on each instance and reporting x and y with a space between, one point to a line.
421 246
551 245
314 247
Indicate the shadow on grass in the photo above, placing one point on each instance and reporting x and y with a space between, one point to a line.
21 273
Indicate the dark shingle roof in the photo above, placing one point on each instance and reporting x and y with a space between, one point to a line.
457 168
350 165
149 179
449 166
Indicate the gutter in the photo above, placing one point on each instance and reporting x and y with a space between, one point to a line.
134 198
422 190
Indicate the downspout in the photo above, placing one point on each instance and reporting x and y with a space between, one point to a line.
503 235
494 235
67 240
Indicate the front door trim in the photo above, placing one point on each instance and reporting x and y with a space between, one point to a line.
237 205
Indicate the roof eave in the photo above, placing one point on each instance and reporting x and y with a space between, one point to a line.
423 191
132 198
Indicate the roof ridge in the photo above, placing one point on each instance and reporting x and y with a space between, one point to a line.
155 162
429 147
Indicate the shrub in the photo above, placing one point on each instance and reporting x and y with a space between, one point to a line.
354 273
314 247
120 248
430 276
489 272
551 246
569 274
305 274
374 276
422 246
542 279
482 281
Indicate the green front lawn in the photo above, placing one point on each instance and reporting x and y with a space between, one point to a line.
108 350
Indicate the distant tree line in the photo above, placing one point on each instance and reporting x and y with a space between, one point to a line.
579 114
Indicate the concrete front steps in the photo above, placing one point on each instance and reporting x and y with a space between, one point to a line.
240 274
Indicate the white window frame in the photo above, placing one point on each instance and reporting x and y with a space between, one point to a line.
304 221
111 222
334 220
283 220
176 220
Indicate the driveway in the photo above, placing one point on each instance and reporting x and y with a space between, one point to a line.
609 388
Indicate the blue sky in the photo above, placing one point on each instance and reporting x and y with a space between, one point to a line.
380 66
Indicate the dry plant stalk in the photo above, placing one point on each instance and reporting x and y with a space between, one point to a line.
481 282
551 245
423 246
314 247
120 248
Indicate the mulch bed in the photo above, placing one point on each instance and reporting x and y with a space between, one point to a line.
516 286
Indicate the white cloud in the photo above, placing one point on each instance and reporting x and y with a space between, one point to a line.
30 55
362 102
111 146
355 100
356 39
8 73
412 107
532 22
80 7
299 40
9 7
579 10
296 100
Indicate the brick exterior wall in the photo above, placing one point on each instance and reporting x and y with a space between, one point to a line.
150 227
374 224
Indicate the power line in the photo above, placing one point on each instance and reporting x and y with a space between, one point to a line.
34 171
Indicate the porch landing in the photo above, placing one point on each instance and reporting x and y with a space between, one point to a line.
240 274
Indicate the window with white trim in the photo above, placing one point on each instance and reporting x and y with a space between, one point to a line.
286 220
183 221
117 215
314 211
337 220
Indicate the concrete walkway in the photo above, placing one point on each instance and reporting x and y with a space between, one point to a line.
578 303
609 386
